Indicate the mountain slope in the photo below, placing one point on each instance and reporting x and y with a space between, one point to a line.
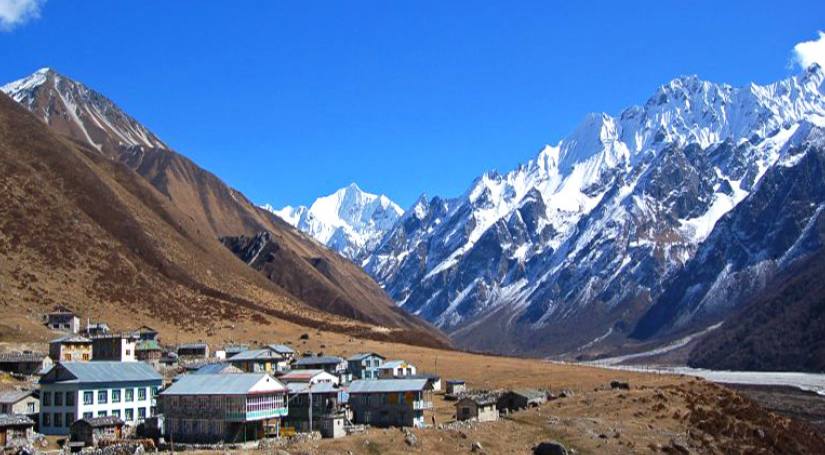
568 251
350 221
202 198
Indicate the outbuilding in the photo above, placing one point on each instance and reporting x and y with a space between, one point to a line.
92 430
481 408
515 400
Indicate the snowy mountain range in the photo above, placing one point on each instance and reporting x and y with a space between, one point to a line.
349 221
570 250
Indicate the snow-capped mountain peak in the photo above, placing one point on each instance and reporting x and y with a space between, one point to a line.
350 220
72 108
597 220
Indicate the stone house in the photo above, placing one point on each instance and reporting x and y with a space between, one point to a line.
515 400
193 351
24 363
22 402
396 369
92 430
455 387
480 407
64 320
15 430
259 361
119 348
148 351
71 348
390 402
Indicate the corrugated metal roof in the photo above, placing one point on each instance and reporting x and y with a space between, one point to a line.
322 387
256 354
364 355
218 368
390 364
300 374
319 360
71 339
98 371
99 422
13 396
148 345
193 346
219 384
387 385
281 349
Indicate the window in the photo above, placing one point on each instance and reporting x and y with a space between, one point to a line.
102 396
141 413
86 357
154 392
30 407
47 398
130 414
58 419
130 395
69 398
47 421
88 397
101 413
153 411
116 413
141 394
116 396
88 415
58 399
69 419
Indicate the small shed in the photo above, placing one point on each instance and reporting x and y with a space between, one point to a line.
455 387
15 429
92 430
514 400
481 408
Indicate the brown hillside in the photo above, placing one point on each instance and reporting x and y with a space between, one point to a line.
305 269
84 231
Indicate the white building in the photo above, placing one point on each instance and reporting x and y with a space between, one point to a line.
309 377
396 369
74 390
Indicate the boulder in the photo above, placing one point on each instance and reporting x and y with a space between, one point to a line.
550 448
620 385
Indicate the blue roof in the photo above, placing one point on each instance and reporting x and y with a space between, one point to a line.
387 385
97 371
217 368
218 384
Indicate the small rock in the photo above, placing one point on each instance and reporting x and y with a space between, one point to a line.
621 385
476 447
566 393
411 439
550 448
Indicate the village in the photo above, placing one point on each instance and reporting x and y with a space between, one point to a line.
99 388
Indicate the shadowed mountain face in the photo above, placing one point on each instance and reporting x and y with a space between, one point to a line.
197 206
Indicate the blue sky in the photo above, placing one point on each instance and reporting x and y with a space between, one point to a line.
290 100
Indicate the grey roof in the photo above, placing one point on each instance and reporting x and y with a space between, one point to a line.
364 355
255 354
13 396
530 394
99 371
297 388
217 368
318 360
235 348
98 422
481 399
71 339
217 384
390 364
9 357
193 346
455 381
427 376
387 385
7 420
281 349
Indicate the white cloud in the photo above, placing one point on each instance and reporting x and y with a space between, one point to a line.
17 12
807 53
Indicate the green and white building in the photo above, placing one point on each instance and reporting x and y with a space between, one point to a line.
74 390
208 408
